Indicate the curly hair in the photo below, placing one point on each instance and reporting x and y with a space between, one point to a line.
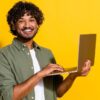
19 9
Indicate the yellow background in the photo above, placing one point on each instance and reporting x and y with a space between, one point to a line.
64 21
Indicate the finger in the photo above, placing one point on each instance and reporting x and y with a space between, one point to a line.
58 68
88 62
55 65
85 70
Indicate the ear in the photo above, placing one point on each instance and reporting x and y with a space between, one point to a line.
12 26
38 26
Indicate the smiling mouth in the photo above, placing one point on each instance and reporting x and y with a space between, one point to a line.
27 30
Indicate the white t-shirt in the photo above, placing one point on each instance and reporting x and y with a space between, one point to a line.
39 88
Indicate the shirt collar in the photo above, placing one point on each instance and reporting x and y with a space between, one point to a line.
21 45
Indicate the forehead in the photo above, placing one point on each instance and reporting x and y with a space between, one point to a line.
27 15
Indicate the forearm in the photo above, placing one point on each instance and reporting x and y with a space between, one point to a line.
66 84
21 90
24 88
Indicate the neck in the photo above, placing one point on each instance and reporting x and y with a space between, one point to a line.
27 42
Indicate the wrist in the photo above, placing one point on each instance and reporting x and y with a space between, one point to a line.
40 74
73 75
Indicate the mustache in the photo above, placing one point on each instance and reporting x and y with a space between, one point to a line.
27 28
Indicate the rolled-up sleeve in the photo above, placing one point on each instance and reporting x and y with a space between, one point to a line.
7 81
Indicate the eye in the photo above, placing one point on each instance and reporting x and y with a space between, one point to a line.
20 21
32 20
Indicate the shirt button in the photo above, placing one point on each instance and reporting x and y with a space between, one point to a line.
28 53
32 97
32 67
24 45
23 49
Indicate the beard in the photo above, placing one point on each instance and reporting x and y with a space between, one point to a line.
27 36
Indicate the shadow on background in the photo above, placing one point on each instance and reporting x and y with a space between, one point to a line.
0 45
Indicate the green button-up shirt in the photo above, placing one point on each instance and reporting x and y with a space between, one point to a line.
16 66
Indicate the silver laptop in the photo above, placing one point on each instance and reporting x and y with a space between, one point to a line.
87 43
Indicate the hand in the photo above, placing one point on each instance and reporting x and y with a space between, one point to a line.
84 71
86 68
51 68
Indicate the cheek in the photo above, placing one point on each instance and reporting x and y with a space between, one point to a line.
35 25
19 27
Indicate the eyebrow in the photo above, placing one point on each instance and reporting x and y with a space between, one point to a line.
30 17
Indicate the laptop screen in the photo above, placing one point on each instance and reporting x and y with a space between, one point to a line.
87 45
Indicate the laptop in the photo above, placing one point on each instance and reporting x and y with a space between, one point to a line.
86 50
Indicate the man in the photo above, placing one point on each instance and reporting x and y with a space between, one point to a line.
25 66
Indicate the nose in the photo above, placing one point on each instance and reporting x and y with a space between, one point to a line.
27 24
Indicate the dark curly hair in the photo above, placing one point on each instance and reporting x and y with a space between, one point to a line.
19 9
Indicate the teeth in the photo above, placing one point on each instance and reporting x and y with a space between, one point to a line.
27 30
